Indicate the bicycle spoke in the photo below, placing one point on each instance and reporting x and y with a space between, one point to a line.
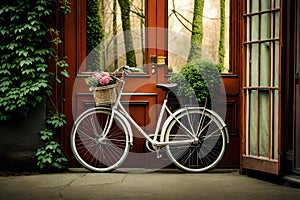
205 153
94 150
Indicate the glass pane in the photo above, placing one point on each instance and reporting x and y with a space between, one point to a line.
253 123
263 123
276 63
276 3
265 5
265 26
254 7
213 34
277 24
264 64
254 28
275 123
254 65
112 50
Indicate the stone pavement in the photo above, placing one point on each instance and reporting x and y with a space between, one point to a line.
137 184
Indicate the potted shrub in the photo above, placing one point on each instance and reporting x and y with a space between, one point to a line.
197 79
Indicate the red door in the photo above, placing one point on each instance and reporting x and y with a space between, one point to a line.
141 97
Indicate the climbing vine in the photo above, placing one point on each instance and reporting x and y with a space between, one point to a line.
24 54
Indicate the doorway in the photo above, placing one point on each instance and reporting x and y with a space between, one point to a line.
141 93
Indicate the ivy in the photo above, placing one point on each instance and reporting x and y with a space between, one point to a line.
26 46
24 54
50 157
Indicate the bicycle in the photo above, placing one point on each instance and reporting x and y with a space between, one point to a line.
193 137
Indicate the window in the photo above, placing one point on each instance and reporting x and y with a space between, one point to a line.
109 20
215 29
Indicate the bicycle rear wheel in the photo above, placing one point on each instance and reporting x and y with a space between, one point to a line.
91 148
200 156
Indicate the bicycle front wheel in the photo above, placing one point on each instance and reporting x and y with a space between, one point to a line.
99 140
202 155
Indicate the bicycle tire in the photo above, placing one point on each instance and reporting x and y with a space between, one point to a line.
89 147
201 156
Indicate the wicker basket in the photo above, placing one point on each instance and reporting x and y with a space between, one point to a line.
105 94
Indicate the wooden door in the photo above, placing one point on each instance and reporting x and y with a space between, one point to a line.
141 97
261 84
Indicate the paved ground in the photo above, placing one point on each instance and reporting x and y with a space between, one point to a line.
137 184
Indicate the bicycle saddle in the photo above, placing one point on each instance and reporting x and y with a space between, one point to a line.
167 87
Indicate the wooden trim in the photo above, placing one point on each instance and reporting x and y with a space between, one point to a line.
261 164
262 12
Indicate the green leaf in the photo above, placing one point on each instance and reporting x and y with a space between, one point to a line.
65 73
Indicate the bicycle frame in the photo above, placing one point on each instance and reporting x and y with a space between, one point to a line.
119 108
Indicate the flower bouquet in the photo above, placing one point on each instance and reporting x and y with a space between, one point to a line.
103 86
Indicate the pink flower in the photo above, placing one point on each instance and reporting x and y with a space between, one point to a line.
104 79
96 74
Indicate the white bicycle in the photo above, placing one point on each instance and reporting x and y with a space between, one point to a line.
193 137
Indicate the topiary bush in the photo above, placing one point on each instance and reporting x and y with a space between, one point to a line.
198 79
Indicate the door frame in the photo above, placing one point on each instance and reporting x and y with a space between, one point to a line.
296 166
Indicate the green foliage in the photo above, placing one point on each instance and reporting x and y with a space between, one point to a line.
50 157
64 7
25 50
56 120
198 77
24 54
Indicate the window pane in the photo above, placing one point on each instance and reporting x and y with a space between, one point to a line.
275 123
215 30
265 5
113 51
254 5
276 25
276 3
253 122
254 65
254 28
276 63
265 26
264 64
263 123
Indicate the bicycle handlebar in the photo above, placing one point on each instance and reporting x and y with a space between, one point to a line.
127 69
